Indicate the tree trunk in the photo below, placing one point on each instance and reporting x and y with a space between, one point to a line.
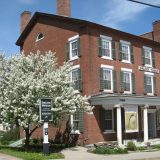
28 135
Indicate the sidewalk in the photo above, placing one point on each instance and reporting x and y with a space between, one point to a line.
6 157
80 153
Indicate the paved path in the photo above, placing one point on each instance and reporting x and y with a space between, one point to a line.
80 153
6 157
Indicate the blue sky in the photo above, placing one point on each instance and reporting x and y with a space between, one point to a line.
120 14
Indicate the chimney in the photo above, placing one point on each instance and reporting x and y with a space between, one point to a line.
156 31
63 7
25 18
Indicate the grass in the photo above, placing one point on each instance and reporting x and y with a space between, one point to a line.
30 155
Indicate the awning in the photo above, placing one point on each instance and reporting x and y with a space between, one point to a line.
104 99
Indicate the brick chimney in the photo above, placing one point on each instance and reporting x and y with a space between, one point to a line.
25 18
156 31
63 7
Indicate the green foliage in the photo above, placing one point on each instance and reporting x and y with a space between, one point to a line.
31 156
131 146
157 146
108 150
10 136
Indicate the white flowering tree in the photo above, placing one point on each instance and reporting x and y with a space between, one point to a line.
26 79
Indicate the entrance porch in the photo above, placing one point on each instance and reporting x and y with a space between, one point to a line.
129 117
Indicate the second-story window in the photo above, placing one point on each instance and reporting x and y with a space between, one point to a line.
106 48
126 52
108 78
76 78
73 48
149 84
148 57
127 81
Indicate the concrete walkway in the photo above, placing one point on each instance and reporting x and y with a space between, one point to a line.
80 153
6 157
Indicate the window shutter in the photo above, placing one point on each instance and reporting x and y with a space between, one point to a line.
123 119
100 47
143 56
80 87
145 86
121 82
79 47
133 83
113 50
101 79
153 59
154 84
132 55
81 121
102 119
120 51
67 51
115 119
114 81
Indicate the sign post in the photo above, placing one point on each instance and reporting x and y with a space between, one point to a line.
45 116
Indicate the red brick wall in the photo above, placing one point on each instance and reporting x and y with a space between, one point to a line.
156 31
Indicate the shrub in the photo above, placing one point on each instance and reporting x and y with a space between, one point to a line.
131 146
9 136
107 150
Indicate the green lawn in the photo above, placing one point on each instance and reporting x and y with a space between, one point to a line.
31 156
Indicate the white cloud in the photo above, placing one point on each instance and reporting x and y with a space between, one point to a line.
27 2
118 11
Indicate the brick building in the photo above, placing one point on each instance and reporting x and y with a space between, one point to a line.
120 72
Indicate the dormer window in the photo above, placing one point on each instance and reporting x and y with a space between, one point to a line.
40 36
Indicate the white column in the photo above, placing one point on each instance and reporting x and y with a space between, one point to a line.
119 124
145 115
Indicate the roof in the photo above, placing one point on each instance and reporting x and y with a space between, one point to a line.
77 22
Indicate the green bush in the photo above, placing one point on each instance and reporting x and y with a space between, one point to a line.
108 150
131 146
9 136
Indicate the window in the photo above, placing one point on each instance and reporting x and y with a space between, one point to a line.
39 37
149 84
126 52
76 78
76 121
107 78
109 120
106 47
148 57
127 81
73 48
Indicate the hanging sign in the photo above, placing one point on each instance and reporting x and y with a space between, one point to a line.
45 109
148 69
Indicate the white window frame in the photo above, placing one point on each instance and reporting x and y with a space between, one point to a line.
106 107
72 126
129 71
150 50
74 67
110 68
152 81
38 39
128 44
72 40
107 39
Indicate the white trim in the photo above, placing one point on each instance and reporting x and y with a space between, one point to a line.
147 48
38 39
75 66
71 122
106 37
125 42
149 73
73 38
107 66
108 58
126 70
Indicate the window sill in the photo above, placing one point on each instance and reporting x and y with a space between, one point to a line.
124 61
127 92
75 132
150 94
108 58
131 131
74 58
109 132
148 65
108 91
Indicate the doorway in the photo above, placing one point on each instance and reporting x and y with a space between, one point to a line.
151 125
